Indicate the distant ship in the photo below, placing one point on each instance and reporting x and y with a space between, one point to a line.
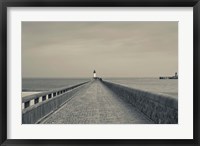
172 77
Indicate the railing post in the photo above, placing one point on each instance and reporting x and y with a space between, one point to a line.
40 99
23 105
32 102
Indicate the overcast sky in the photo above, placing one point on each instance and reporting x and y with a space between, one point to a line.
113 49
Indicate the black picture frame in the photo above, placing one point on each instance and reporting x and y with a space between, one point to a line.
4 4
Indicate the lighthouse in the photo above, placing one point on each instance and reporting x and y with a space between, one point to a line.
94 74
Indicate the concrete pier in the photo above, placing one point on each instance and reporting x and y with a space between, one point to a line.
101 102
96 104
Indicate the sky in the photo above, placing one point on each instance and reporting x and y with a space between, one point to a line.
113 49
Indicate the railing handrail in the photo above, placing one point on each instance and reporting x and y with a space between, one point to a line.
34 96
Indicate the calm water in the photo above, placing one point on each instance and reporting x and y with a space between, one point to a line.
155 85
42 84
169 87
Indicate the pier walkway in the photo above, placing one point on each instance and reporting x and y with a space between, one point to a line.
99 102
95 103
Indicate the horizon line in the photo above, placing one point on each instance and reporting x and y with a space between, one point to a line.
92 77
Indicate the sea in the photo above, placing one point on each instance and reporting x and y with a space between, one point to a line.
155 85
45 84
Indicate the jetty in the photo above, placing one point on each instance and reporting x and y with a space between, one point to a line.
99 102
170 77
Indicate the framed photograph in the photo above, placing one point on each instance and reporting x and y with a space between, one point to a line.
99 72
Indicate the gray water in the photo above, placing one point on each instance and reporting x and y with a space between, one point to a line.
44 84
155 85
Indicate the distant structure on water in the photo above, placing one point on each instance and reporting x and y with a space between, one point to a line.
172 77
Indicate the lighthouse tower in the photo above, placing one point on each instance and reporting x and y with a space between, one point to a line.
94 74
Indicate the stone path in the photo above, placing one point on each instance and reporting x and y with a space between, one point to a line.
96 104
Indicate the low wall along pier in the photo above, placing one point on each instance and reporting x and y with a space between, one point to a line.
36 107
159 108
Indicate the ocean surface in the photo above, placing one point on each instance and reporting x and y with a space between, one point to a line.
44 84
155 85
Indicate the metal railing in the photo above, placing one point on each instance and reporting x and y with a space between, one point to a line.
31 100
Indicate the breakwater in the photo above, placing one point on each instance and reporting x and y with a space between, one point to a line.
99 102
96 104
36 107
159 108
